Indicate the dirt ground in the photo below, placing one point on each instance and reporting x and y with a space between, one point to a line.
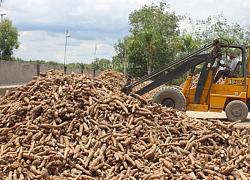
214 115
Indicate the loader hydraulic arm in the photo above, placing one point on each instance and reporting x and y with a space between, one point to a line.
174 73
185 63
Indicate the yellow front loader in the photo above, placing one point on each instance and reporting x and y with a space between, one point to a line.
231 96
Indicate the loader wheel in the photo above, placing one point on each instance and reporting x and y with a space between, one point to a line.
170 97
236 110
177 87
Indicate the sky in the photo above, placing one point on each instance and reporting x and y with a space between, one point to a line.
95 26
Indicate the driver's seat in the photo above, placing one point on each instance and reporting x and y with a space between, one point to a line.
236 71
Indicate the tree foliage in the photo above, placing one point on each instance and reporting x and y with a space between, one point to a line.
153 29
217 26
8 39
101 64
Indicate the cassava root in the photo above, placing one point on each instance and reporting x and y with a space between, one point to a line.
79 127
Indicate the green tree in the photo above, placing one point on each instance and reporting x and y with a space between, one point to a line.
189 44
217 26
104 64
8 39
153 29
119 58
101 64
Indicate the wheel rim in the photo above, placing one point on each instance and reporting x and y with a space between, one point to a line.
236 111
168 102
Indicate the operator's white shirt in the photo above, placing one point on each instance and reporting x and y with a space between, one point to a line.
233 64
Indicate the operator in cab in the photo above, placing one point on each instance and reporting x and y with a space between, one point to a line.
229 68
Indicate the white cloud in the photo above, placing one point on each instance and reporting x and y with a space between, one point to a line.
42 24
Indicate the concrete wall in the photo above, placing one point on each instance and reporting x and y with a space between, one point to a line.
21 73
16 72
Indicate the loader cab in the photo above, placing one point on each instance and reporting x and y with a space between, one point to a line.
232 95
241 55
240 69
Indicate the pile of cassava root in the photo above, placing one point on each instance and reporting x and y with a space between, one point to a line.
195 80
78 127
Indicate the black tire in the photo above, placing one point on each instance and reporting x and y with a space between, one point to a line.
236 110
177 87
170 97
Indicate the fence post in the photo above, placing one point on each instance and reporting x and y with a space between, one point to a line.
65 69
38 69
